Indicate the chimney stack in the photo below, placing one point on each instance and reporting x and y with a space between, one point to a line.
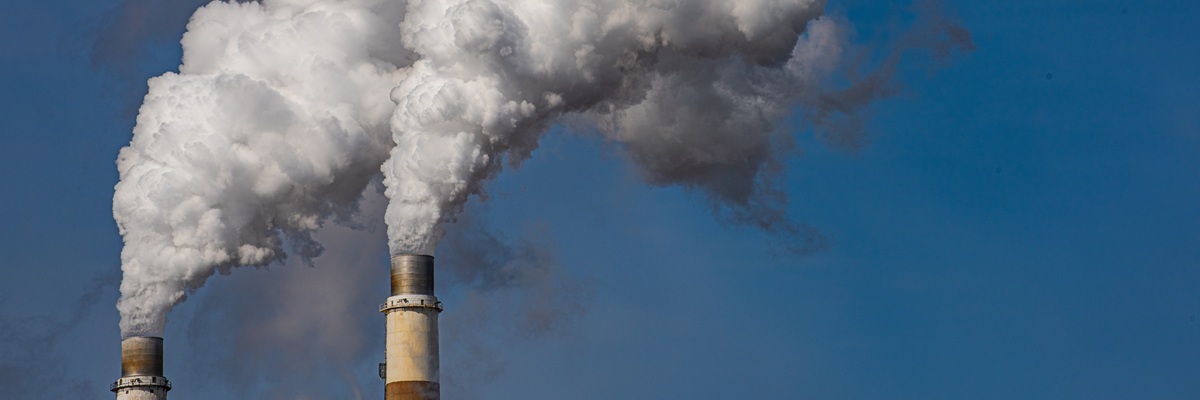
141 370
411 369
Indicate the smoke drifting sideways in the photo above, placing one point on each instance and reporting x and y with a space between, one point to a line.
283 110
692 89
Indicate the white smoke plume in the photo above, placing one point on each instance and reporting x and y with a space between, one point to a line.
283 110
275 123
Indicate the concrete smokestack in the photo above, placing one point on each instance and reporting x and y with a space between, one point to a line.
411 370
141 370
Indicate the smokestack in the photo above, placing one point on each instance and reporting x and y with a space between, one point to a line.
141 370
411 369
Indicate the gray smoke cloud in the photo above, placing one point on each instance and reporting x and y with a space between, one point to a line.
509 290
283 110
839 113
308 329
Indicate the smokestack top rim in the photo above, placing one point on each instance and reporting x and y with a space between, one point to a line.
412 274
411 255
142 338
142 356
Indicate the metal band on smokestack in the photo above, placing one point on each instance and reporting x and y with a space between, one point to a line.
141 370
411 371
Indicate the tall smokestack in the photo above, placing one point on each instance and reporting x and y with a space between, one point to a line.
141 370
411 369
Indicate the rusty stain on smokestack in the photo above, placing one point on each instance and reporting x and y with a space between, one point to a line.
141 370
411 370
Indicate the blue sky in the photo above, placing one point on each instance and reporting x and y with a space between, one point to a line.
1022 223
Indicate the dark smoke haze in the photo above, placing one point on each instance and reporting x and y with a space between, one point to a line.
31 366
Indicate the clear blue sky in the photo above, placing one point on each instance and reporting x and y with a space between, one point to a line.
1024 223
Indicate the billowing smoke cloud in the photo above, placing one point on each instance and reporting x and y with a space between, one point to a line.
283 110
275 123
693 89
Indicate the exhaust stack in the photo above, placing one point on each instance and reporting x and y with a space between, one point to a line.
141 370
411 369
